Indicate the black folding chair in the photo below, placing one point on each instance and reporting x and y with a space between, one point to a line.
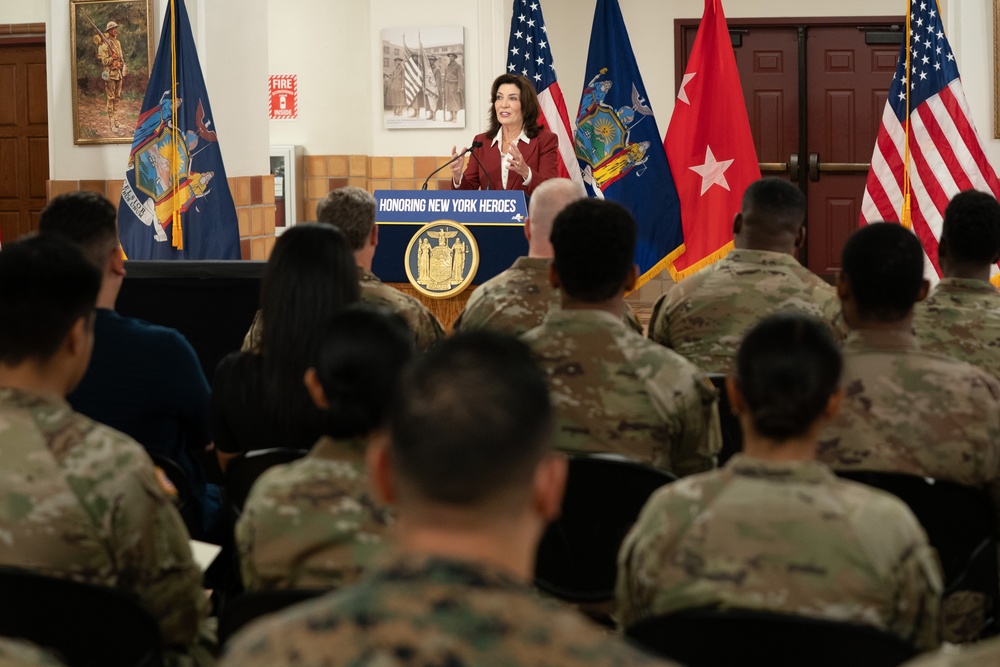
83 624
714 638
732 432
960 523
244 470
250 606
578 555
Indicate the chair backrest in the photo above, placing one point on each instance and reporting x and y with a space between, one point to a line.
244 470
578 555
709 638
960 523
732 432
185 503
84 624
251 606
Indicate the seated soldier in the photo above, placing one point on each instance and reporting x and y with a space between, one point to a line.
906 410
775 530
352 211
79 500
144 380
474 483
615 391
313 523
961 317
517 299
705 316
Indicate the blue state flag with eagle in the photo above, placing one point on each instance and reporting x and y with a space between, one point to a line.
176 202
619 147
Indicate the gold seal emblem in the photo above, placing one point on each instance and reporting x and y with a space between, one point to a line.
441 259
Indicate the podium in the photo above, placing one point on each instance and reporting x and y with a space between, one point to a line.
494 217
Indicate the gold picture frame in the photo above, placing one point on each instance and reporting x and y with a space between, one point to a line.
108 91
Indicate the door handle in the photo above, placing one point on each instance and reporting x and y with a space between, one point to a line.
793 166
815 167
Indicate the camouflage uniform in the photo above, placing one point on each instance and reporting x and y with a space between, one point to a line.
704 317
517 300
615 391
786 537
423 610
311 523
425 327
961 319
19 653
80 500
918 413
986 654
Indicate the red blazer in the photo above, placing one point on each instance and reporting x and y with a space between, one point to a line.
541 154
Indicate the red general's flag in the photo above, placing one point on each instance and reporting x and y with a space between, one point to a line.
709 146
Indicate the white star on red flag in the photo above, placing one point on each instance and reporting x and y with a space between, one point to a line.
712 172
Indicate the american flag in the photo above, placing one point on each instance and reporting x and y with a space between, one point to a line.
412 75
529 55
946 154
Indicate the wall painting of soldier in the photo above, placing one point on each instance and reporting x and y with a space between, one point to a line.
112 51
423 77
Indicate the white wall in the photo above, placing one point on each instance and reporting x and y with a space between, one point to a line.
24 11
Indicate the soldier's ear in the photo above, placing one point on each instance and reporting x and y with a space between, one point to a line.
925 287
315 389
380 473
737 223
833 404
554 276
527 229
736 402
373 238
632 278
549 485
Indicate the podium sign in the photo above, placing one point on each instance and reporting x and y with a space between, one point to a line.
494 217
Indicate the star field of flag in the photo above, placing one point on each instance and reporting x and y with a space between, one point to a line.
932 64
528 52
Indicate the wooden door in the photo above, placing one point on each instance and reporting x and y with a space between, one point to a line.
814 91
24 142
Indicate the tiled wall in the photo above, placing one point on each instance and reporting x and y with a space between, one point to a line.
253 195
327 172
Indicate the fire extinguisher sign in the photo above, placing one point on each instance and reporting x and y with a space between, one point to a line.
284 96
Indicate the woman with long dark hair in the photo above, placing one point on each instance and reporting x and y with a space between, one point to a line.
515 152
258 399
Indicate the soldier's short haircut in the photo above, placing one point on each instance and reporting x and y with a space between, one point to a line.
361 358
472 419
884 264
972 227
87 219
774 205
48 285
594 243
787 367
350 209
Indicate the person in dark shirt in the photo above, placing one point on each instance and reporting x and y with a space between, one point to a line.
143 380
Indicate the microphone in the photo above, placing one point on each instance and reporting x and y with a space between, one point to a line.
475 144
479 144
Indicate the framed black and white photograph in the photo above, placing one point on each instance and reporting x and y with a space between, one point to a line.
423 77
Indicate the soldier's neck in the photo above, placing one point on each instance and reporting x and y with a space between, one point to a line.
41 378
364 257
793 449
614 305
508 545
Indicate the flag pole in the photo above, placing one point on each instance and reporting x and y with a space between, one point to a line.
905 218
177 234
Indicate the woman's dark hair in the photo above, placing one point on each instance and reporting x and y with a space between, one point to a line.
308 279
360 361
529 105
787 368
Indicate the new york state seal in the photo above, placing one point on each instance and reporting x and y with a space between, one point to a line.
442 259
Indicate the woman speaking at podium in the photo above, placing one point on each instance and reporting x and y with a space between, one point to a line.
515 153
